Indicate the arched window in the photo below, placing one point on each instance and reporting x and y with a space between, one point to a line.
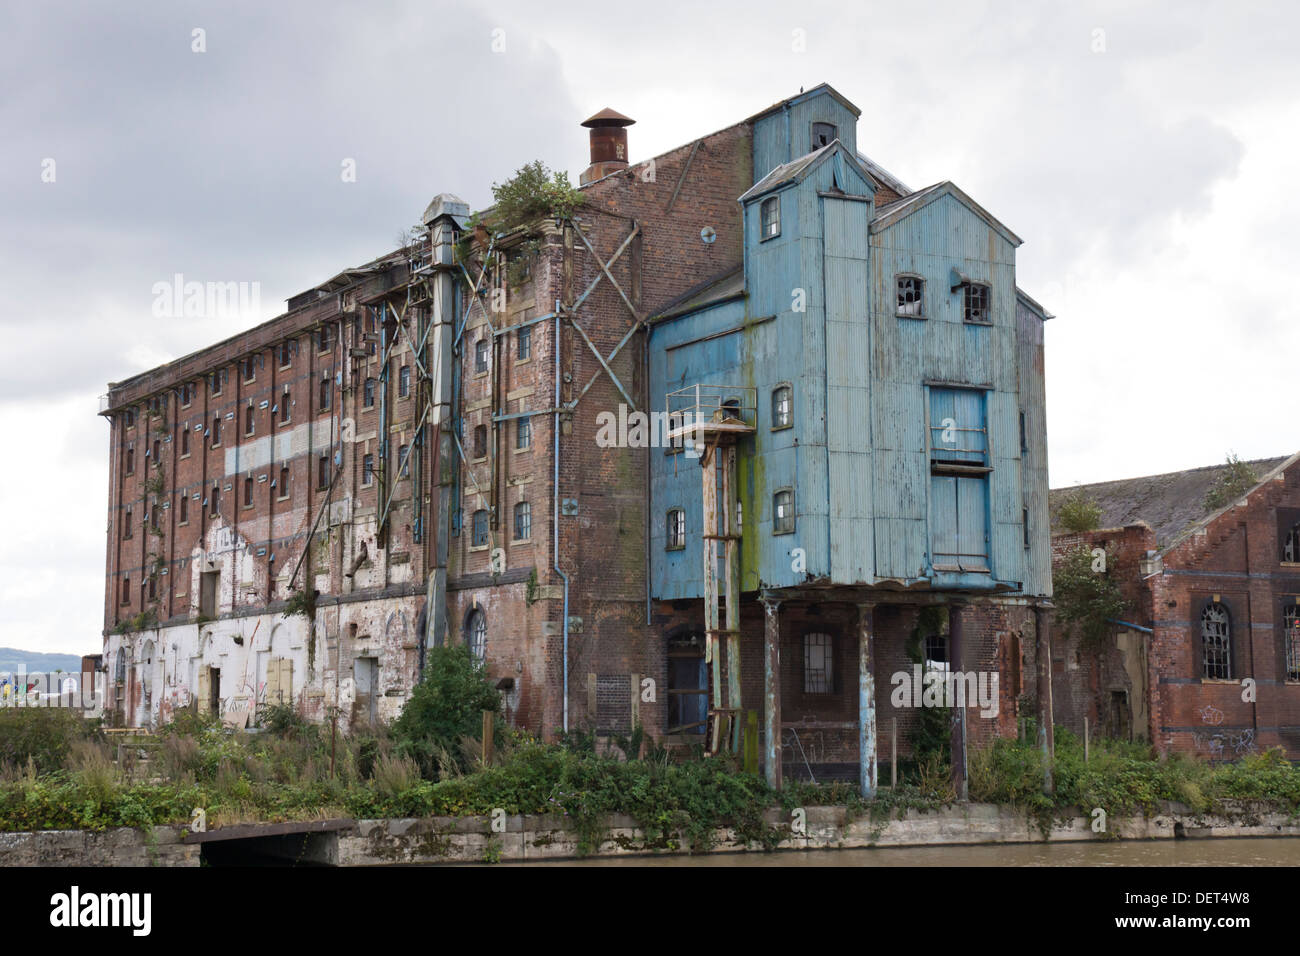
783 511
523 521
781 402
476 633
1216 642
1291 634
119 668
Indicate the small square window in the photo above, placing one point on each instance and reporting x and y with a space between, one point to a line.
783 512
911 295
770 217
975 303
823 134
675 537
524 343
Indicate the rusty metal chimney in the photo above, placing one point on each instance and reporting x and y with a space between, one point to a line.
608 144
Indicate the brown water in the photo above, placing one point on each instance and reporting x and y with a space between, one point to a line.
1262 851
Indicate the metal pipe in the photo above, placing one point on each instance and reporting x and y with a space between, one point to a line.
1131 627
555 517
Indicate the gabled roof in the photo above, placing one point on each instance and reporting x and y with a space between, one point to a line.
1173 504
883 176
807 95
795 170
890 213
726 285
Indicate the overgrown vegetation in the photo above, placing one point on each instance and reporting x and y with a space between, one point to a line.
1087 593
1077 512
1234 481
301 601
446 708
534 192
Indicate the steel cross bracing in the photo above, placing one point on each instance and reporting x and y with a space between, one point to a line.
638 321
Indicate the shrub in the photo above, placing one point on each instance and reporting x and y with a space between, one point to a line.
1077 512
1234 481
44 735
445 707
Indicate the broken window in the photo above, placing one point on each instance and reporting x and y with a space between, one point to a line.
369 400
975 302
184 504
523 521
688 692
524 342
1216 642
248 492
523 432
783 511
283 484
249 414
480 441
325 390
476 634
215 501
911 296
479 527
323 472
481 355
404 381
770 217
818 665
1291 545
367 469
823 134
675 532
284 406
781 404
1291 635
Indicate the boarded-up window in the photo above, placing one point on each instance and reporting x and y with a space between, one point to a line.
959 523
613 703
279 681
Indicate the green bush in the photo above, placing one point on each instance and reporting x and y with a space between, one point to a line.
44 735
445 707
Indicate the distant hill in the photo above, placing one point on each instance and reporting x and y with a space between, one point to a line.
12 659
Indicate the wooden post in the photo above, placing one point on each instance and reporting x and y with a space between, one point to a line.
958 734
1085 740
489 743
893 753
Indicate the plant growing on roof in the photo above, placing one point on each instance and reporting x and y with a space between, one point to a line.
301 601
1078 512
1233 482
533 192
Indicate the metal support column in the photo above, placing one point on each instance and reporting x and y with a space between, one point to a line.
866 701
772 691
955 669
1043 656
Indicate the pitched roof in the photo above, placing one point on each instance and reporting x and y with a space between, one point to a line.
892 212
1171 503
729 284
796 169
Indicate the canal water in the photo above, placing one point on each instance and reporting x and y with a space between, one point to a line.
1254 851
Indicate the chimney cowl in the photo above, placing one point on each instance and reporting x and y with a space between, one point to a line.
608 144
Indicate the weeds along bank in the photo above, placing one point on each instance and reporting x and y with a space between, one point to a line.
59 772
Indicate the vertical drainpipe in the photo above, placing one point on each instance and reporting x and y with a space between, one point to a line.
555 516
645 364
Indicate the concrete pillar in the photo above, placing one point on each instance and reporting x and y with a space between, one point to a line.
1043 655
866 701
772 691
956 661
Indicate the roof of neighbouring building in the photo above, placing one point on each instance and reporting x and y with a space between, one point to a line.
1171 503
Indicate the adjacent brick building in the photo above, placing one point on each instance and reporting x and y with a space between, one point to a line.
1208 660
413 454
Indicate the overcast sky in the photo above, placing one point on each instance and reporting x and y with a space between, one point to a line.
1143 153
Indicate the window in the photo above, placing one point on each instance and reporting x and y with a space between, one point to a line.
324 338
128 418
1216 642
248 492
218 379
157 453
911 296
154 515
1024 435
1290 544
524 343
282 485
936 652
1024 524
480 441
125 599
216 430
153 587
1291 640
783 511
185 440
187 394
249 414
975 302
214 501
403 461
480 529
958 481
770 218
325 391
323 472
476 634
675 532
248 368
818 666
130 461
523 432
404 381
369 399
523 521
372 332
126 524
286 355
285 402
781 402
367 469
481 355
823 134
688 691
184 506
